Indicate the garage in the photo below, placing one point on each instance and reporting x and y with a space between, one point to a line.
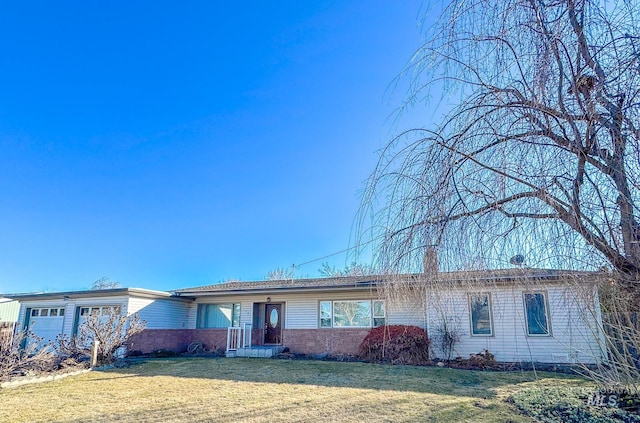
46 322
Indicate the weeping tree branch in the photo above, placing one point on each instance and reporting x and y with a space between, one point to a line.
542 152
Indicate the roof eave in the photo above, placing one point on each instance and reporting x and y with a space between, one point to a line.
296 289
113 292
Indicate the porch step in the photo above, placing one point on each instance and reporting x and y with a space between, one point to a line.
257 351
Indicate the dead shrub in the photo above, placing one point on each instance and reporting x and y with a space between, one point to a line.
112 330
24 353
395 344
480 361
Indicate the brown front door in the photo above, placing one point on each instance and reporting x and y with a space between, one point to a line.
273 324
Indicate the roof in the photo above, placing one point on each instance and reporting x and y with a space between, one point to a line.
367 282
94 293
346 282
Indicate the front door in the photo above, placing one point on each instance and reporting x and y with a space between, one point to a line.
273 324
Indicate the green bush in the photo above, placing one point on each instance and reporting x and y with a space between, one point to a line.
568 405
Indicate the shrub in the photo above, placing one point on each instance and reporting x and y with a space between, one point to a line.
479 361
568 405
448 335
23 353
112 330
395 344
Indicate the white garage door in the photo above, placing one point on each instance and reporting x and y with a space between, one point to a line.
46 323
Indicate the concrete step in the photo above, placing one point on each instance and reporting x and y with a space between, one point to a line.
259 351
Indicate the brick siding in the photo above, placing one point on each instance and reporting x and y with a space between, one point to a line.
177 340
320 341
301 341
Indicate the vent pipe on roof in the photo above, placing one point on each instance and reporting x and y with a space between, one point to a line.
430 261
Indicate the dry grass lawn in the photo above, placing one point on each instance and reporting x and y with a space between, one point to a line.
260 390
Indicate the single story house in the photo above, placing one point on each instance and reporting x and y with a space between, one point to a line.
518 315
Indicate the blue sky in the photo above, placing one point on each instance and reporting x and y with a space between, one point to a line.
167 145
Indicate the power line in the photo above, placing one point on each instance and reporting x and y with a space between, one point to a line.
339 252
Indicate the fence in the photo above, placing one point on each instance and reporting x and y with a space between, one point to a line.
6 331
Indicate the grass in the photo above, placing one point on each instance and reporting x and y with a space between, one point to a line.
256 390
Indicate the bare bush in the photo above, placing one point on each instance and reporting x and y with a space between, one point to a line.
111 329
395 344
621 338
447 336
23 353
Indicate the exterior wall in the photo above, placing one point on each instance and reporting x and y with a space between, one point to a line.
301 311
407 311
177 340
324 341
574 325
160 313
9 310
301 332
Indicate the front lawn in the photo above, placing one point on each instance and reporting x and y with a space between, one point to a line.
253 390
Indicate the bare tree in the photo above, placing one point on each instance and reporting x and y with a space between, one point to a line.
539 154
354 269
22 353
536 155
109 327
105 283
280 274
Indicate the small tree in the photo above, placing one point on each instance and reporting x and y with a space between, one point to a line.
280 274
111 329
22 352
354 269
447 337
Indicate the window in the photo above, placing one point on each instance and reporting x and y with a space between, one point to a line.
47 312
536 312
325 314
481 321
218 315
379 317
102 311
351 313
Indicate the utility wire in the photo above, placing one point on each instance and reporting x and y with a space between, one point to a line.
339 252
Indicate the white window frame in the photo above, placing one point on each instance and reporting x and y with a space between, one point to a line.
375 316
101 310
547 316
37 311
471 298
323 318
328 322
